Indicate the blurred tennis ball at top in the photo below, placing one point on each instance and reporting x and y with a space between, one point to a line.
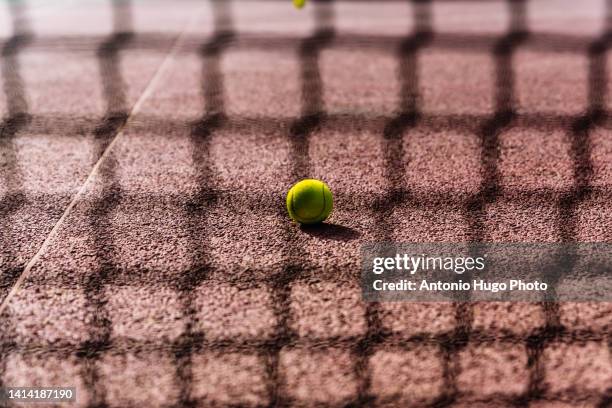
299 3
309 201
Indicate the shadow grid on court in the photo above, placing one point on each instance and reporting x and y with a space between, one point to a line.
406 51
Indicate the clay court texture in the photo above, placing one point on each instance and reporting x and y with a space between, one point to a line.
146 148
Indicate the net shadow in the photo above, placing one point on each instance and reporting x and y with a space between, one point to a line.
582 163
100 214
312 117
15 120
502 52
394 133
199 206
395 136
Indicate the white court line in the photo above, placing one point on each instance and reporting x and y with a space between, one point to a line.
137 106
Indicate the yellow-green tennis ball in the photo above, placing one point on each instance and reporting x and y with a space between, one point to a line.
299 3
309 201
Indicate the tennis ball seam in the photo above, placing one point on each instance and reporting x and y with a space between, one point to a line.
324 203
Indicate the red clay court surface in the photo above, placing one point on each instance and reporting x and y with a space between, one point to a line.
146 147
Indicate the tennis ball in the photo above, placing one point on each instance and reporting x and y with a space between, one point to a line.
309 201
299 3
